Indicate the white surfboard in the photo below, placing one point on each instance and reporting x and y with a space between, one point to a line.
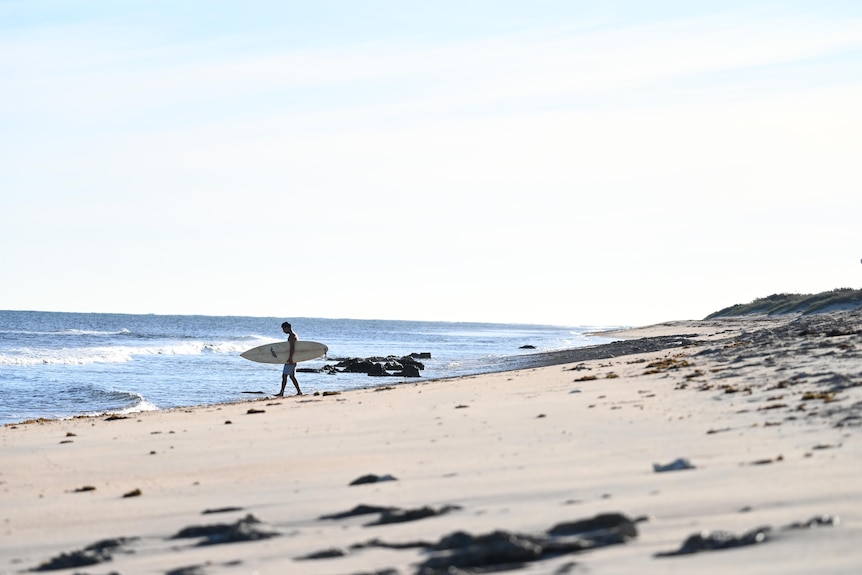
278 352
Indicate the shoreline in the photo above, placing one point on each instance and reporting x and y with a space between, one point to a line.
634 340
504 364
760 419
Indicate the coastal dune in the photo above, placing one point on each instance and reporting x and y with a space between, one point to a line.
730 447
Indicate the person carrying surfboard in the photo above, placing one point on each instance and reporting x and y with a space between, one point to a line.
290 366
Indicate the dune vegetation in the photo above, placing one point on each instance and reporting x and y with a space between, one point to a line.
785 303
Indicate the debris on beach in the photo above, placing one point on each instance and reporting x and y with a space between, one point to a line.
667 363
608 527
825 520
815 356
221 510
767 460
719 540
81 558
372 478
358 510
397 515
676 465
250 528
94 554
188 570
392 514
501 550
330 553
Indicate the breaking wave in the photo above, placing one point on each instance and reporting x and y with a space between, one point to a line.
112 354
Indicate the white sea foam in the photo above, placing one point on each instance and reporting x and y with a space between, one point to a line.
74 356
227 347
81 332
111 354
140 406
143 404
90 332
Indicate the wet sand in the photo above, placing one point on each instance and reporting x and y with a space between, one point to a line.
724 446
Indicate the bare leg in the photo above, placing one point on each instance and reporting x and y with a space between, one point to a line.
295 384
283 385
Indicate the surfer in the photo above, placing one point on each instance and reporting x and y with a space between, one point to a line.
290 366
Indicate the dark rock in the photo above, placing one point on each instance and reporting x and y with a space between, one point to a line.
410 371
377 366
378 371
356 365
527 347
410 360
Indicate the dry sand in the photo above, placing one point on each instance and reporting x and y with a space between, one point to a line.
766 411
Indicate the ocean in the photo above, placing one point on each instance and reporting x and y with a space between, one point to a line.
60 365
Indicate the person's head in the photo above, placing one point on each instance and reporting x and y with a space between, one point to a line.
286 328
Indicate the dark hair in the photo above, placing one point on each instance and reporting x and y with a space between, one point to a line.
285 325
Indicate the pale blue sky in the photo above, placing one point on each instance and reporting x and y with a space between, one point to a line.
551 162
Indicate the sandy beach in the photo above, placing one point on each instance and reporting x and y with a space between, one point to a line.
724 446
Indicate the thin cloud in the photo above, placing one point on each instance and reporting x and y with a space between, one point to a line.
111 74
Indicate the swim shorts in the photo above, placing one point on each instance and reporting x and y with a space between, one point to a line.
289 369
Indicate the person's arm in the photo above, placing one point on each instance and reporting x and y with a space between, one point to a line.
292 346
